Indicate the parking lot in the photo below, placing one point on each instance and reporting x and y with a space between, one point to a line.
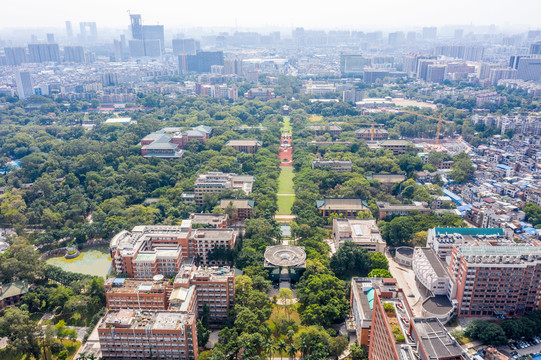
517 353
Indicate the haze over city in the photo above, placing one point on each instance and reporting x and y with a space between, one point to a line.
280 13
213 180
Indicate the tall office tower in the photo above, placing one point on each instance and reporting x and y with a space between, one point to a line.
89 31
25 88
396 38
430 33
535 48
15 55
154 32
153 48
50 38
459 34
137 48
185 46
352 64
411 36
33 39
119 50
109 79
136 26
75 54
69 30
40 53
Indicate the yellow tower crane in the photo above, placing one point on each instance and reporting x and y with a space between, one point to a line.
440 120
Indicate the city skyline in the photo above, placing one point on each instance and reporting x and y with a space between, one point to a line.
345 14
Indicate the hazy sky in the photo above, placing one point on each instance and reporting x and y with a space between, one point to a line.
283 13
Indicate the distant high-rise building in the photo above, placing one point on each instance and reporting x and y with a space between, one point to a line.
69 30
136 26
25 88
50 38
534 34
528 67
33 39
411 36
352 64
422 68
374 36
89 31
74 54
471 53
109 79
15 56
142 48
185 46
40 53
430 33
459 34
436 73
119 50
137 48
201 62
498 74
396 38
233 67
535 48
154 32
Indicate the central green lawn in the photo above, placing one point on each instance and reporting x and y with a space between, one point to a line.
285 181
285 186
287 125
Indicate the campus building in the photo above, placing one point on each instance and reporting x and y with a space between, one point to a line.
398 147
213 182
168 143
362 232
243 208
134 334
386 209
384 322
246 146
496 280
443 239
335 165
366 134
349 207
153 250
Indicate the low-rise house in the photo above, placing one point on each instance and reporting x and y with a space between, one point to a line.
11 293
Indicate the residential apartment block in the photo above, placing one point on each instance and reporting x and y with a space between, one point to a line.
213 182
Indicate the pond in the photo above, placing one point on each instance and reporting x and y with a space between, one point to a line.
92 261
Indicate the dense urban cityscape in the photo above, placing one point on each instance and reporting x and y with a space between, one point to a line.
233 193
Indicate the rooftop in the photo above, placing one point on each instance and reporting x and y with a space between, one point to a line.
156 320
436 342
285 256
469 231
246 142
340 204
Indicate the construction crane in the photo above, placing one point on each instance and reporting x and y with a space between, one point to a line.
440 120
